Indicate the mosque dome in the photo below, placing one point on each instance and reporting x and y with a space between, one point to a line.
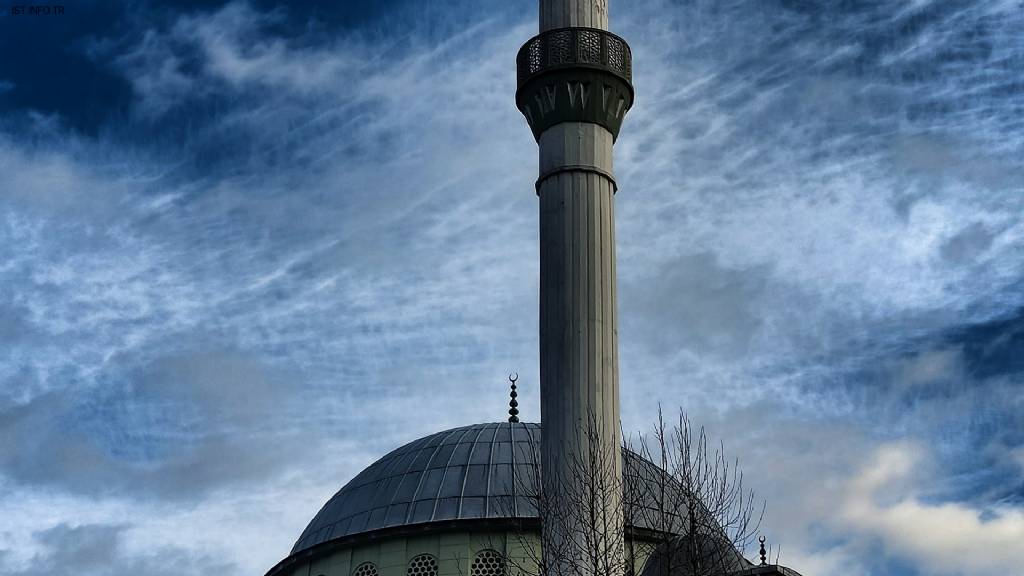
463 473
481 471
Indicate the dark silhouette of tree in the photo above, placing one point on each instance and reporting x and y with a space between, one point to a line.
684 510
693 501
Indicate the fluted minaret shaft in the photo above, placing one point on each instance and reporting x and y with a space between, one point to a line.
574 89
566 13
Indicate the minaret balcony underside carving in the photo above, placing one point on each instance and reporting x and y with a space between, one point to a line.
574 75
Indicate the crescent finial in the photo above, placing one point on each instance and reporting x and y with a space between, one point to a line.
513 406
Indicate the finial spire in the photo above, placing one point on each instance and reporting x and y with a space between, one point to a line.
513 410
764 554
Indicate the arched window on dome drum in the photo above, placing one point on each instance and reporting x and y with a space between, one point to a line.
488 563
422 565
365 569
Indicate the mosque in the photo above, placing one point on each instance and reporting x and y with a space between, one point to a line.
463 502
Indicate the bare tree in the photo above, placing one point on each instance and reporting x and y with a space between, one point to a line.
582 530
582 508
693 501
684 509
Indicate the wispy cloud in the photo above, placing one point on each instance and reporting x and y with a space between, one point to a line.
98 549
295 238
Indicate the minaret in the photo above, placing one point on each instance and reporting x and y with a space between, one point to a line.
574 87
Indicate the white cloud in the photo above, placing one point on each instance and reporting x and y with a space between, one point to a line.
941 538
366 225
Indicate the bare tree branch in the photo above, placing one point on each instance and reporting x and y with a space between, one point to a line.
683 505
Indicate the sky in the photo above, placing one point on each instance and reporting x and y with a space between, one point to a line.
248 248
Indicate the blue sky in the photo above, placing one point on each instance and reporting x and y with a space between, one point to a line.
248 248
